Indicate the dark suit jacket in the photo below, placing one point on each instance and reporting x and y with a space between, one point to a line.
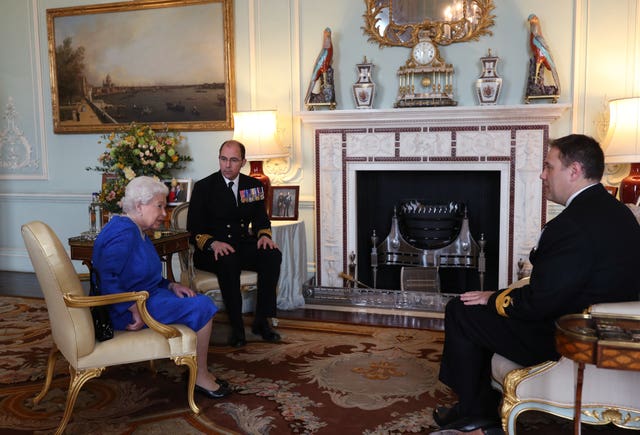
585 255
214 215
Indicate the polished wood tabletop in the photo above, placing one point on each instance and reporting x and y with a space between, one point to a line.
166 242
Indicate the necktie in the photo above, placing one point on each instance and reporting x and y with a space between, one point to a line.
232 193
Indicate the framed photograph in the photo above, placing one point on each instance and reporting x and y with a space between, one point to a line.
179 190
166 63
284 203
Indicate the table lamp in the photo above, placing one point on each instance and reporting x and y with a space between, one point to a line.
622 144
257 131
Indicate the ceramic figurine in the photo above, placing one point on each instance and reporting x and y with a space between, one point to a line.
540 61
320 91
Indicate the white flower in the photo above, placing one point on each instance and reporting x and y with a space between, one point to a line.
129 174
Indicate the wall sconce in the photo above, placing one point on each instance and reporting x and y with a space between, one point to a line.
622 144
256 130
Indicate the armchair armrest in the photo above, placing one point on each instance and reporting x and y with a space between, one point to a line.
631 308
140 299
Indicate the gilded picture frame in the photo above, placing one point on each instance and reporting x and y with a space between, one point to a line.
166 63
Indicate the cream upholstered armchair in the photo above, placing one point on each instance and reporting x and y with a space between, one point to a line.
200 280
608 396
72 326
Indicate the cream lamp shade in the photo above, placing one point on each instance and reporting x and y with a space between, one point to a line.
622 143
256 130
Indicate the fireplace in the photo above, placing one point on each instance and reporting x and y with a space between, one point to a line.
438 147
378 192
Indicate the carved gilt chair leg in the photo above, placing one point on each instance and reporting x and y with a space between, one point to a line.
51 363
78 379
192 364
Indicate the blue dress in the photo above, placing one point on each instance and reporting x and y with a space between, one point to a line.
126 261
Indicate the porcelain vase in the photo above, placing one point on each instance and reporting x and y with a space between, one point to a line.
364 89
489 85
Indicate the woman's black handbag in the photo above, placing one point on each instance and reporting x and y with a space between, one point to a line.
101 320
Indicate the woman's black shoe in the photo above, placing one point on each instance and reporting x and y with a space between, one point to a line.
222 383
211 394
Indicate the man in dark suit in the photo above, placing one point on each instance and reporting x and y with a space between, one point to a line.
585 255
231 231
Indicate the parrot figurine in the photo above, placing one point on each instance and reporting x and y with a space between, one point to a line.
541 51
321 66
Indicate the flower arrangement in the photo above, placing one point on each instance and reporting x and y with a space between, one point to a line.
136 150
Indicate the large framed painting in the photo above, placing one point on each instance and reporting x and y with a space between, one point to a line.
166 63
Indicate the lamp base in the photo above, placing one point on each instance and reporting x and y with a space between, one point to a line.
256 172
630 186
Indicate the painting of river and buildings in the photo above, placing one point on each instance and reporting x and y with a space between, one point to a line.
147 104
167 65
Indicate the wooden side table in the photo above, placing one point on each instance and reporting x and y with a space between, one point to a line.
166 242
608 341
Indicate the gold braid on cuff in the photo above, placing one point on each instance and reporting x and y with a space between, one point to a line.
264 232
503 301
201 240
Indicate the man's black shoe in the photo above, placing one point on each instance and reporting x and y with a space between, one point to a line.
265 332
468 424
237 339
444 415
213 394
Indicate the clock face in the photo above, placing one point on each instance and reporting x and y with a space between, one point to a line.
424 52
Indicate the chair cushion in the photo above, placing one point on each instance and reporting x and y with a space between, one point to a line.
143 345
500 366
205 281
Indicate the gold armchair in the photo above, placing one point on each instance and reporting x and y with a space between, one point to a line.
72 326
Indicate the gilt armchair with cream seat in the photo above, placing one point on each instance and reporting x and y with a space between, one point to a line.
203 281
608 395
72 328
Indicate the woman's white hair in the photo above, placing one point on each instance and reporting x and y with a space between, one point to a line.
141 190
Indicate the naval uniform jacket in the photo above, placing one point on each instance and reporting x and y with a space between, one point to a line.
215 216
585 255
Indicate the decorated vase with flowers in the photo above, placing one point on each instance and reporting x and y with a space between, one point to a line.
133 151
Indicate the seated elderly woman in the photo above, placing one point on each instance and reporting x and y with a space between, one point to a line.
125 260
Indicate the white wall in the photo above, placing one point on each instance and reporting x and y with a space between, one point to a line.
595 45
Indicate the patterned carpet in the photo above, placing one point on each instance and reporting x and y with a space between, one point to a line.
321 379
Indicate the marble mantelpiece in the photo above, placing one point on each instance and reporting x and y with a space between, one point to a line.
508 139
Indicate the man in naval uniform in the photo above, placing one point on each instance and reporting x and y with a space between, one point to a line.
585 255
231 231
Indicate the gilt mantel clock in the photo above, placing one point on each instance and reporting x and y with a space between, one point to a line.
425 80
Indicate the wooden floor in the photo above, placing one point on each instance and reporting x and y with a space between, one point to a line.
26 284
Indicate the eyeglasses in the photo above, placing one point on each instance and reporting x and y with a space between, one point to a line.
233 160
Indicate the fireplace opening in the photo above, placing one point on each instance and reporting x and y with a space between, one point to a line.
378 192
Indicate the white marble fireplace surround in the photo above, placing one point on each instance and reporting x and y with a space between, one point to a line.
508 139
